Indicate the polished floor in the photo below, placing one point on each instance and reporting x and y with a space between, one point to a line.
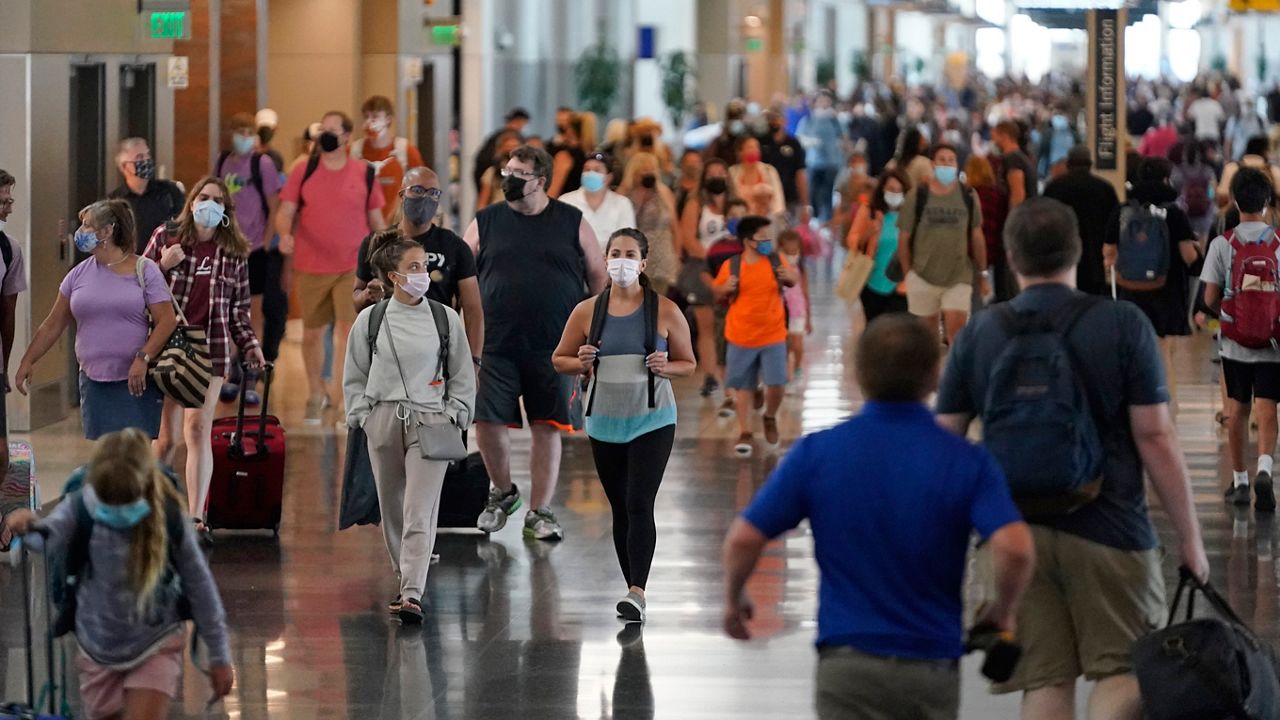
519 629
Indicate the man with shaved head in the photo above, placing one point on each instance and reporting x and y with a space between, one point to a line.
449 260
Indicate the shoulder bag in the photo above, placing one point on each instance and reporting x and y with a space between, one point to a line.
182 370
441 440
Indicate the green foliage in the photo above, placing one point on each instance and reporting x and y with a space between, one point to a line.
598 74
861 66
826 71
677 95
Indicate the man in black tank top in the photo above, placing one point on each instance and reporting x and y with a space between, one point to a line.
536 259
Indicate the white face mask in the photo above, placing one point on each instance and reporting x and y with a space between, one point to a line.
415 284
894 200
624 271
2 224
792 258
377 126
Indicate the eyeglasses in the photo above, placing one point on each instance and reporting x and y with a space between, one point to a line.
522 174
6 203
418 191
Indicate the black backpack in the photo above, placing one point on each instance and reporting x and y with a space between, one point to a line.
438 314
601 311
922 199
313 162
255 177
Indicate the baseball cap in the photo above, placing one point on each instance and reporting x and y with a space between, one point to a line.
267 117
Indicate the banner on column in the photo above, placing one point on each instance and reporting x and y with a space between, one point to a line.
1107 66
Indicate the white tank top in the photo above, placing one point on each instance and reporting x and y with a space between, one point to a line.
710 227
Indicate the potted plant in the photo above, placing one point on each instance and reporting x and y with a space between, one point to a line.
677 73
597 75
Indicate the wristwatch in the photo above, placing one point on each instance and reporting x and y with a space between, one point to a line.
475 359
143 357
986 274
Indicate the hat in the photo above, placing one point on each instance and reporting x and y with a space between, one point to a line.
1080 156
517 113
267 117
313 131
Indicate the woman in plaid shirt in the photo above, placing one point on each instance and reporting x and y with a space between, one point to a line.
205 259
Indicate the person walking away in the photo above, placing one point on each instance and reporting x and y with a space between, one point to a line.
1160 139
534 255
1255 155
13 280
1206 116
390 155
940 244
603 209
124 316
1245 124
153 201
796 299
1056 141
994 202
334 203
702 224
1194 180
1250 362
757 183
1151 246
821 134
1017 172
656 218
875 234
889 622
129 628
569 156
1097 585
912 157
755 328
253 185
1094 203
630 341
376 380
786 154
206 263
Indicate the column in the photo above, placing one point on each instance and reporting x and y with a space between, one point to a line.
477 92
1105 94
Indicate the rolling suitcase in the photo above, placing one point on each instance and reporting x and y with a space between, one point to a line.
48 696
18 487
248 469
465 492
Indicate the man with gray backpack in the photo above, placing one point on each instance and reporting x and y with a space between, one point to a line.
1074 406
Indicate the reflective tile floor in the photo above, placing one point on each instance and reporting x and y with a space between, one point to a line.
517 629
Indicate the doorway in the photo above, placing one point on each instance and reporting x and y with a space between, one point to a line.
138 102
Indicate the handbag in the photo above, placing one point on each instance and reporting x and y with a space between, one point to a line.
853 277
436 440
182 370
1206 667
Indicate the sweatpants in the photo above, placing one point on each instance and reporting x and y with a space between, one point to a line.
408 495
631 473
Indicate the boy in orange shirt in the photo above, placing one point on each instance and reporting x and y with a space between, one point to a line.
390 156
756 327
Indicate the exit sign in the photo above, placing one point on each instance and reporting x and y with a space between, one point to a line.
168 25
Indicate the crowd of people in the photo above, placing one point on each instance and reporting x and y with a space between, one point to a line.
597 270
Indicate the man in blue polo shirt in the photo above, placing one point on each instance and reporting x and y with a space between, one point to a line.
892 499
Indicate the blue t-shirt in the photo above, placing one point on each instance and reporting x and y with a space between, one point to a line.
892 499
1122 363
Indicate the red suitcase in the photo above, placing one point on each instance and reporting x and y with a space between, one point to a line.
248 469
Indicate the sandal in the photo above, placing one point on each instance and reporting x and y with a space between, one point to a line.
410 612
1221 419
393 607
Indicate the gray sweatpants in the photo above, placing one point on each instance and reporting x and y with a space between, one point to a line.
852 685
408 495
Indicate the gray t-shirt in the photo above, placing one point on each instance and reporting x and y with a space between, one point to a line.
940 244
1217 271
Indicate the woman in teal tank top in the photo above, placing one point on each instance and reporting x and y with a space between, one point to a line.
875 233
631 409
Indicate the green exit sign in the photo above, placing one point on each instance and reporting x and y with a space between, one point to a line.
755 44
446 35
168 25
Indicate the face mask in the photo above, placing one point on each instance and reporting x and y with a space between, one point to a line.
624 271
421 210
737 127
1059 122
791 258
87 240
731 227
243 145
945 174
649 181
265 134
765 247
717 185
751 157
592 181
513 189
415 284
775 127
208 213
859 170
3 223
376 126
122 517
145 169
894 200
328 141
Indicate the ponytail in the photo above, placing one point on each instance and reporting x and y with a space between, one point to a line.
386 250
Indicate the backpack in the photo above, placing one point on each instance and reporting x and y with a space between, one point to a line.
1142 260
1249 314
438 314
1195 192
255 177
6 252
313 162
399 151
600 311
1041 418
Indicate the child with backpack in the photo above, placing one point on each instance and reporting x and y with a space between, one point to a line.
796 298
1195 180
718 254
139 574
1240 281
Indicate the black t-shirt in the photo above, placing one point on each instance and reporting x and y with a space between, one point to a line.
1095 203
158 204
1166 307
787 157
1018 160
449 261
573 180
1140 121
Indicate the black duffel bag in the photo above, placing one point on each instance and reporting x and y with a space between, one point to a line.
1206 668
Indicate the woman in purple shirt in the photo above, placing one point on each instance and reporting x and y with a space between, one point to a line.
109 295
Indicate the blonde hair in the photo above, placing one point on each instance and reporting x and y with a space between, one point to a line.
588 136
123 469
616 132
227 235
639 163
977 172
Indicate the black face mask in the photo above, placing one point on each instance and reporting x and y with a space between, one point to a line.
421 210
717 185
265 134
513 188
649 181
328 141
775 128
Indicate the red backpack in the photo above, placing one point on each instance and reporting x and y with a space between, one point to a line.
1251 316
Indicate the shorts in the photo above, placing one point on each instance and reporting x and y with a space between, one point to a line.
1086 606
745 368
853 685
1245 380
326 299
924 300
102 688
505 380
722 345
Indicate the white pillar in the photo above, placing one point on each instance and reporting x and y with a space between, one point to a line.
477 93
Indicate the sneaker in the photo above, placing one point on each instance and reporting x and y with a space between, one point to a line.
727 408
709 386
315 410
541 524
759 399
745 445
410 612
230 392
771 430
631 608
252 398
494 517
1237 495
1264 495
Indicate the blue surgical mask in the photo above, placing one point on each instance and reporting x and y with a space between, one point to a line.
765 247
592 181
208 213
242 144
122 517
87 240
1059 122
946 174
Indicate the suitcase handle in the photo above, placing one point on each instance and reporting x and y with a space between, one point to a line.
237 439
1219 604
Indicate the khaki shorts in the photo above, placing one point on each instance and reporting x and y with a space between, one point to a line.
326 299
924 300
1086 606
852 685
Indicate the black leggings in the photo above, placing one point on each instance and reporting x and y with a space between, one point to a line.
631 473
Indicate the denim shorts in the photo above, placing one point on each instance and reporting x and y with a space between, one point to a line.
747 367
